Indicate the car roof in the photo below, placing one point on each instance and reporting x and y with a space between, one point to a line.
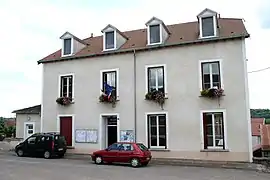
126 143
47 134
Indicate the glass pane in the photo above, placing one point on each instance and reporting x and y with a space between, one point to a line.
67 46
64 86
162 140
70 87
215 77
209 129
154 34
152 78
153 130
206 68
162 130
160 77
109 40
210 140
206 85
219 135
207 26
153 140
162 120
215 68
153 120
30 131
206 78
30 126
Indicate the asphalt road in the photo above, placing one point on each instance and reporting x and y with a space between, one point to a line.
16 168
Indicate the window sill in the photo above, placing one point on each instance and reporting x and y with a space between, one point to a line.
208 97
159 150
215 150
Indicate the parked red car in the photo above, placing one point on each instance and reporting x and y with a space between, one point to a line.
136 154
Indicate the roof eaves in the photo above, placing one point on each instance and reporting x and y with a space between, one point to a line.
245 35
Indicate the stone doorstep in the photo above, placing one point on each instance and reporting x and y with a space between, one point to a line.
188 162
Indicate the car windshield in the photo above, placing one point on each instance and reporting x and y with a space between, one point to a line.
142 147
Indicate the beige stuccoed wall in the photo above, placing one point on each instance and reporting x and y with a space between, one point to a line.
22 118
183 104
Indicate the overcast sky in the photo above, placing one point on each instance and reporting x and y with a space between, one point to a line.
30 30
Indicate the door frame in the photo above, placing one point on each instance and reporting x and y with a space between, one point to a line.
24 128
103 126
73 125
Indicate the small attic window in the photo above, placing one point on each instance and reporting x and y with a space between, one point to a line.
154 34
67 50
109 40
208 26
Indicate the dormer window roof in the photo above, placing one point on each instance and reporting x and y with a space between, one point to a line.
208 23
68 41
112 38
157 31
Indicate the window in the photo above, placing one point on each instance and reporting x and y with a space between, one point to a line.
126 147
211 74
156 79
154 34
66 86
114 147
213 130
67 46
110 78
142 147
109 40
207 26
157 131
31 140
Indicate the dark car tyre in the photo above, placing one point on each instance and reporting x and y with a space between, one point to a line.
135 162
98 160
20 152
47 155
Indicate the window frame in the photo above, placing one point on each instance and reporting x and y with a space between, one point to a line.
201 62
71 46
116 79
214 24
147 114
223 111
149 34
147 67
59 84
104 40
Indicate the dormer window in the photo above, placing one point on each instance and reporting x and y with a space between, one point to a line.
67 47
208 23
154 34
157 31
71 44
109 40
208 26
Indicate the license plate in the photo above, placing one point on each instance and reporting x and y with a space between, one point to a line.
60 149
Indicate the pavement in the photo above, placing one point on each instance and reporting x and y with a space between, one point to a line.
22 168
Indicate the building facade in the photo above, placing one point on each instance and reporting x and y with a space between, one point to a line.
139 70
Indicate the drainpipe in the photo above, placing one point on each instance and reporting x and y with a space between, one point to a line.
135 97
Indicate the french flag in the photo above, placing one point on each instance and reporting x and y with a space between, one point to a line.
108 90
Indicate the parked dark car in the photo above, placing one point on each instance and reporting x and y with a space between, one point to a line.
42 144
136 154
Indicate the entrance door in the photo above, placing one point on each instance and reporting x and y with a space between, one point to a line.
66 129
111 130
28 130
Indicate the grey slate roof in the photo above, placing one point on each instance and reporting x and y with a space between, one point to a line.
30 110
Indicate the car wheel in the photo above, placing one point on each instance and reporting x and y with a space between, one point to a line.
98 160
135 162
47 155
20 152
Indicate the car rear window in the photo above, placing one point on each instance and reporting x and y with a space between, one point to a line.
59 138
142 147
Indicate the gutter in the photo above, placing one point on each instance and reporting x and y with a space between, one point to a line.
148 48
135 96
